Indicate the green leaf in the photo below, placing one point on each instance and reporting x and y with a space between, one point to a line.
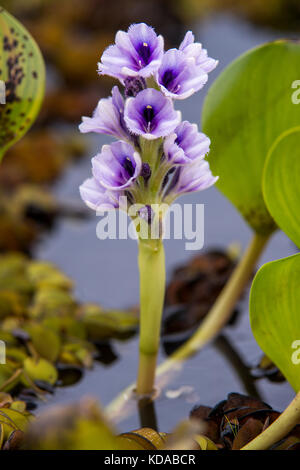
23 71
45 341
102 324
247 108
281 183
274 315
40 369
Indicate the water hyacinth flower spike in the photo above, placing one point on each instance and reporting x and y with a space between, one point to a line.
156 159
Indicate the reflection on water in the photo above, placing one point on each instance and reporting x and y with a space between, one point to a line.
106 272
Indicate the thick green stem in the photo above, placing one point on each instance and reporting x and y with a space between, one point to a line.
279 429
214 321
152 290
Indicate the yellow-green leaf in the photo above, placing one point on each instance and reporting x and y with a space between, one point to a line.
281 183
23 71
246 109
274 315
45 341
40 369
205 443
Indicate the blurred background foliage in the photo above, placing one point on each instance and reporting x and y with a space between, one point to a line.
72 36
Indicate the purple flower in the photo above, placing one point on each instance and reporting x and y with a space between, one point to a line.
135 53
193 177
186 144
178 75
151 115
108 117
194 49
97 197
117 166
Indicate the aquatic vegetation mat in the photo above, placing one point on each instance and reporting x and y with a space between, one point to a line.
49 336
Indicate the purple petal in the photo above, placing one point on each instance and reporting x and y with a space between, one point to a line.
117 166
206 63
96 196
186 144
135 53
195 144
117 99
150 114
108 117
195 177
188 39
172 151
178 75
194 50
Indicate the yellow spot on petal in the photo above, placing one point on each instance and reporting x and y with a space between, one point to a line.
149 106
145 44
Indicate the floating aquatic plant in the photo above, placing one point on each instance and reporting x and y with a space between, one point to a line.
50 338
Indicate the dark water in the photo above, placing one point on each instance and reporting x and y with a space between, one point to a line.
106 271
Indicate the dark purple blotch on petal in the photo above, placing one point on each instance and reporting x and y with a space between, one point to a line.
128 167
168 80
144 50
149 115
171 180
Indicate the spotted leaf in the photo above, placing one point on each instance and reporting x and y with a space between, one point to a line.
22 80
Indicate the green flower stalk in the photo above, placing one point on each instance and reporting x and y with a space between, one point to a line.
157 158
152 290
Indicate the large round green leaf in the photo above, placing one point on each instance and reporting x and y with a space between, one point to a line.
281 183
247 108
23 72
274 315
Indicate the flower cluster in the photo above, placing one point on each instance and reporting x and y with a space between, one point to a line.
158 156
